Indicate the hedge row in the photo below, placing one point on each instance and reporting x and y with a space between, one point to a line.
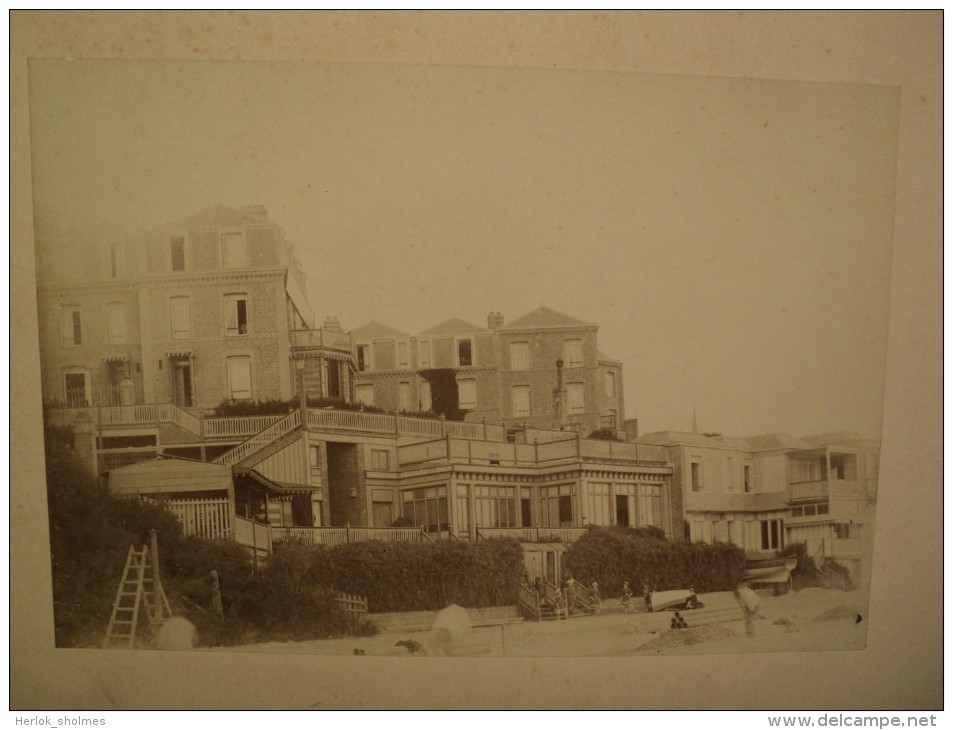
610 556
418 576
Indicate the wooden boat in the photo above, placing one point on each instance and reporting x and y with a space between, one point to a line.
678 600
770 570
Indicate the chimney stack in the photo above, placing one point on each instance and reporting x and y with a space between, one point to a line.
494 320
256 209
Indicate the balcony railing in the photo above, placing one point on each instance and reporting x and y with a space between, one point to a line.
322 339
341 535
533 534
822 488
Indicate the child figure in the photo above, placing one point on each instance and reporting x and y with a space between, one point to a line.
595 598
560 602
626 597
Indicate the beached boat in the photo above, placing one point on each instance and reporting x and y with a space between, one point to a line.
678 600
769 570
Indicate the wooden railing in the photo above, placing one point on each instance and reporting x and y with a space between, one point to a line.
237 425
206 518
342 535
252 534
533 534
355 610
528 601
319 418
173 414
261 439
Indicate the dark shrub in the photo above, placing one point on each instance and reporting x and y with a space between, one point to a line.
612 555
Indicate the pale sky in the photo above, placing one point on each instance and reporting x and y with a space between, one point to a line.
731 237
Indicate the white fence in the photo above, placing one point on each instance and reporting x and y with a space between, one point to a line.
208 518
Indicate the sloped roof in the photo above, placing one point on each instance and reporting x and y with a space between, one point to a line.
605 358
545 317
840 438
377 331
453 326
215 217
666 438
777 441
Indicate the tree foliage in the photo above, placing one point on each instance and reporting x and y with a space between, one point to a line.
611 556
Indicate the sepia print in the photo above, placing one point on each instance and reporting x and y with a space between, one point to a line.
457 361
593 366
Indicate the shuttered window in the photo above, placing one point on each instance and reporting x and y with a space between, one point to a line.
116 322
181 318
239 377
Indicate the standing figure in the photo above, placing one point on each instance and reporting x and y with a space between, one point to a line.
560 602
570 593
749 602
595 598
626 597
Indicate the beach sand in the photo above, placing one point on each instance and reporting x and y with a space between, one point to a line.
812 619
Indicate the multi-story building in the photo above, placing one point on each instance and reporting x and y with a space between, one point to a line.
142 338
765 492
543 370
199 311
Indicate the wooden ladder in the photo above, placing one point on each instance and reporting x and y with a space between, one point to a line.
138 591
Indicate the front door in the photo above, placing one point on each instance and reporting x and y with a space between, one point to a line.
182 383
622 510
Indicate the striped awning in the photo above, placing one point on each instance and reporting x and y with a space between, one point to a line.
178 353
116 357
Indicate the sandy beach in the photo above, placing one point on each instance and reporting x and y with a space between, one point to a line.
812 619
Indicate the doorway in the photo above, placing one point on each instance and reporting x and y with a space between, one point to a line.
182 383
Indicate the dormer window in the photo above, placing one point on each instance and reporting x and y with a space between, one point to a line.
464 353
234 250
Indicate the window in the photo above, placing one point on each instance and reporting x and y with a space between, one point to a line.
239 377
609 419
177 247
464 353
610 384
234 250
115 259
650 505
382 514
363 358
365 394
425 399
424 348
572 353
556 506
575 398
696 476
462 510
181 318
76 388
468 393
823 509
844 531
403 397
771 534
379 460
426 508
495 506
236 314
71 322
116 323
521 403
748 487
402 359
600 504
519 356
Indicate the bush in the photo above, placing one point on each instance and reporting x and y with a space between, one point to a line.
232 408
612 555
422 576
604 434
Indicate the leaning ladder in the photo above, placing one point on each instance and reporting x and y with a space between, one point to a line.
138 591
